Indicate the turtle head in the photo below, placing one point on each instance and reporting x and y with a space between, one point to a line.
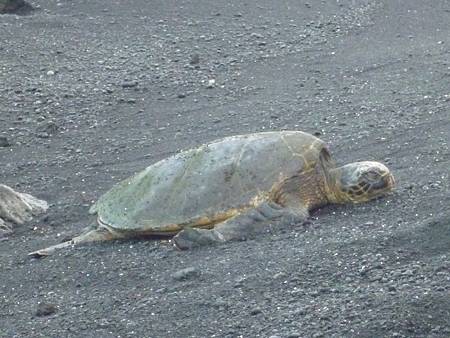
362 181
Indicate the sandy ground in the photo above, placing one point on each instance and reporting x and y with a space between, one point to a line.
94 91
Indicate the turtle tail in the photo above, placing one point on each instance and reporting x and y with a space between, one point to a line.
90 235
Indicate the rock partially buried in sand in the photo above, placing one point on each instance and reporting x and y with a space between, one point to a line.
45 309
17 208
14 7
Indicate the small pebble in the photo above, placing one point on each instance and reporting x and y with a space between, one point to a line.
4 142
195 59
129 84
255 311
185 274
45 309
48 128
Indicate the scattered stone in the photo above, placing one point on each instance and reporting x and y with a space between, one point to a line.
185 274
220 303
315 293
50 73
47 129
42 135
15 7
256 36
239 282
45 309
300 311
279 275
255 311
4 142
195 59
129 84
211 83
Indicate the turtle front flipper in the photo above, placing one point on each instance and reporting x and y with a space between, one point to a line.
241 227
93 235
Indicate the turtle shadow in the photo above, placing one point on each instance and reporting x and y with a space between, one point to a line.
431 237
427 238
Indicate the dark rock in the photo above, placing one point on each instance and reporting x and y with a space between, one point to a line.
47 129
300 312
255 311
129 84
294 335
45 309
43 135
4 142
15 7
195 59
185 274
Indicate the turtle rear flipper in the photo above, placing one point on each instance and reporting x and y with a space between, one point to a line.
241 227
94 235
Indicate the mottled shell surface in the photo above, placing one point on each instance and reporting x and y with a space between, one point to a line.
207 183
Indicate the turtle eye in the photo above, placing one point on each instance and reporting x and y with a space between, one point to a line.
372 175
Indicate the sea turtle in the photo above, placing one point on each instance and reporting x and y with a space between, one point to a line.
230 189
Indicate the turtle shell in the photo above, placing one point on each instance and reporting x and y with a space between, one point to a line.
208 184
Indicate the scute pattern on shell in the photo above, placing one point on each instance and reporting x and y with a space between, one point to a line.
207 184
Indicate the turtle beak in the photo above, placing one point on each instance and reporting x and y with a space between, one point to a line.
390 182
386 183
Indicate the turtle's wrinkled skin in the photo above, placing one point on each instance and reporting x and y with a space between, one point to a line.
232 189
